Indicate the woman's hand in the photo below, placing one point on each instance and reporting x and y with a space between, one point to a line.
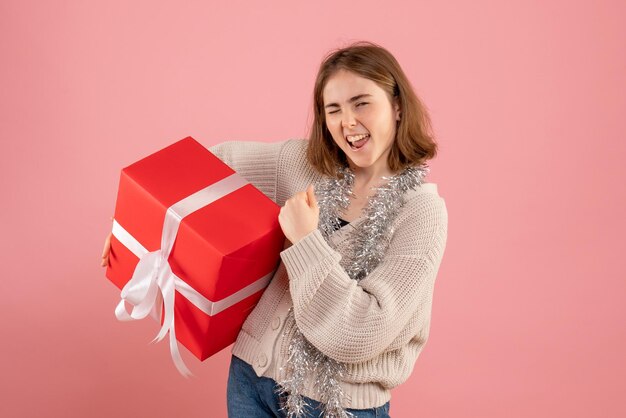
106 250
300 215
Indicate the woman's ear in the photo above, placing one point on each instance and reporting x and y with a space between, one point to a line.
396 108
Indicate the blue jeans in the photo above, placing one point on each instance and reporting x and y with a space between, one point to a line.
250 396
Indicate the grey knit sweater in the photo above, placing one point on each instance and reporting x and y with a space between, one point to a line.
378 326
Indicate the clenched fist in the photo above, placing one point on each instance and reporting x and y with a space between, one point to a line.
300 215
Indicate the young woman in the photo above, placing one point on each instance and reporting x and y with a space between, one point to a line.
348 310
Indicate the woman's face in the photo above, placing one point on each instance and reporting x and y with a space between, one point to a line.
357 107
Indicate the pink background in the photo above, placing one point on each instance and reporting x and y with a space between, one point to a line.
528 103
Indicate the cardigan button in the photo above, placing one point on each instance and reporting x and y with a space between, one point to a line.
261 360
276 323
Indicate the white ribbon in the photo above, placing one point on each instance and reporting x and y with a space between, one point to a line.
154 284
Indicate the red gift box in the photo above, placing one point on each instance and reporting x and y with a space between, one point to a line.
194 240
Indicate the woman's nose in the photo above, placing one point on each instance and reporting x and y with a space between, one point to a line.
348 120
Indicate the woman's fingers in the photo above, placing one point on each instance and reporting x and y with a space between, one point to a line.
106 250
107 245
310 194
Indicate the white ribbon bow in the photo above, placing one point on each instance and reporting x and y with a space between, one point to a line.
153 283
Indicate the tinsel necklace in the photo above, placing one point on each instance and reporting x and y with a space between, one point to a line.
366 247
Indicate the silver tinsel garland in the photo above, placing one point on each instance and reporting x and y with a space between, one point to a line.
366 247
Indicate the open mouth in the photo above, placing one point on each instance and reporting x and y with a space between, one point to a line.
357 141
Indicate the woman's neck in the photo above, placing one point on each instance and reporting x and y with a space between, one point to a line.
370 177
366 180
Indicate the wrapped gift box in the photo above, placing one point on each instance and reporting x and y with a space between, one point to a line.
198 241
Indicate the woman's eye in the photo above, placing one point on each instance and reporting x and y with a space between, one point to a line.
357 105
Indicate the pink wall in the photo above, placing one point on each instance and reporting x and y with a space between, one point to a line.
527 99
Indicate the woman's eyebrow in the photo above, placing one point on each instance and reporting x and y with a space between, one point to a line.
354 99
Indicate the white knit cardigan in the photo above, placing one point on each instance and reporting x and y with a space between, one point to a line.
377 326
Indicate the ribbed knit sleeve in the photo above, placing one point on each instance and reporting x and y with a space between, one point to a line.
257 162
352 321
